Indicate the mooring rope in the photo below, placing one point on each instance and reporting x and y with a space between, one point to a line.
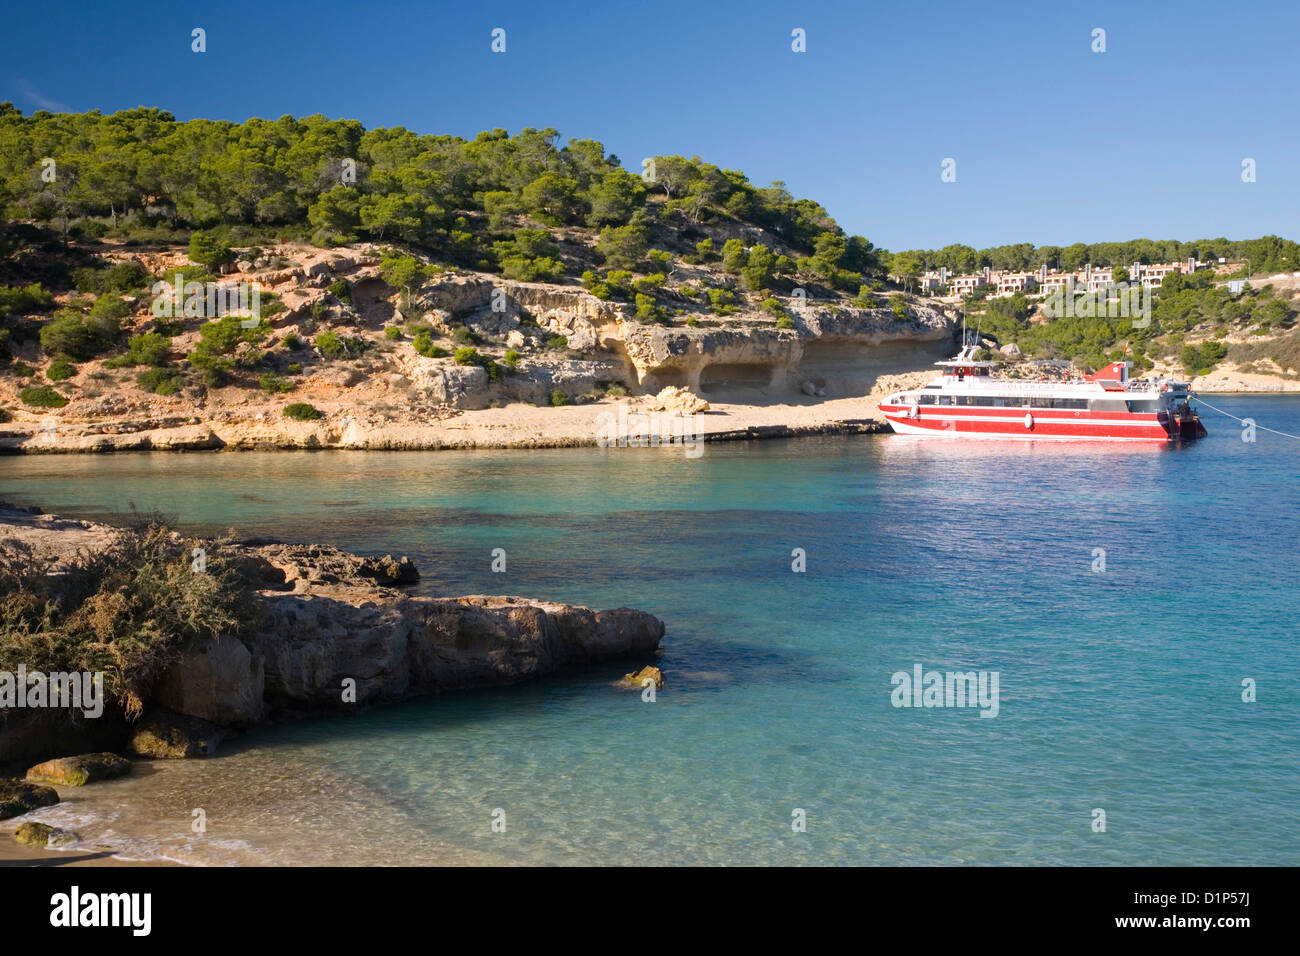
1242 420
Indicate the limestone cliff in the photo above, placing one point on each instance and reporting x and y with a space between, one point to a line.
393 380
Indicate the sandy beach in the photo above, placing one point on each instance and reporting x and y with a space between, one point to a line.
13 854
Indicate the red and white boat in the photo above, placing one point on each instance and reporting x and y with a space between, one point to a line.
968 401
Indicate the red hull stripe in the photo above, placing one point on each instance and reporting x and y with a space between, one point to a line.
1084 426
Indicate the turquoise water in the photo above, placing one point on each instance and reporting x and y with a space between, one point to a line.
1119 689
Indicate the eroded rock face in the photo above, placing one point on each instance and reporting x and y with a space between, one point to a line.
80 770
335 637
216 679
300 566
444 383
533 381
394 646
768 357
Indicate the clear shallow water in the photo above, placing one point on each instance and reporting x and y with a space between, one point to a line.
1118 690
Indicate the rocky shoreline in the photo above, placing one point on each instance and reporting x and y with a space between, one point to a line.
338 634
198 436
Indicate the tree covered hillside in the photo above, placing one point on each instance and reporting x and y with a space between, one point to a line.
141 174
1265 254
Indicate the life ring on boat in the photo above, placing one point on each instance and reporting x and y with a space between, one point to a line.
913 411
1029 421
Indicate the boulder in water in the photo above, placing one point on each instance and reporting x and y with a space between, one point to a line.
32 833
80 770
637 679
18 797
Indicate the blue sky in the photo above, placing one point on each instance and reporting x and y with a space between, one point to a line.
1053 143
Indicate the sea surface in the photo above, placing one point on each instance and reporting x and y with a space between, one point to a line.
1120 675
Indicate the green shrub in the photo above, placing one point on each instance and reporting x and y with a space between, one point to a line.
660 259
123 277
1198 360
773 306
149 348
648 310
423 344
159 381
209 249
20 369
560 397
82 338
301 412
734 256
471 356
213 369
393 332
292 341
402 271
220 336
124 611
60 370
334 346
341 289
511 358
785 322
463 336
25 300
294 368
622 246
273 384
542 269
42 396
721 301
5 414
649 283
557 342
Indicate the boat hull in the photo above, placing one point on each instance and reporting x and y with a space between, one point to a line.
1030 424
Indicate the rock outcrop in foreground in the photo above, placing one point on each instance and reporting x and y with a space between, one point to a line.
336 636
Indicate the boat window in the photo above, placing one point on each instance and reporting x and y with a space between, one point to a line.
926 399
1109 405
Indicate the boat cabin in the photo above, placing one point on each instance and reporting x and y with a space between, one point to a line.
966 365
